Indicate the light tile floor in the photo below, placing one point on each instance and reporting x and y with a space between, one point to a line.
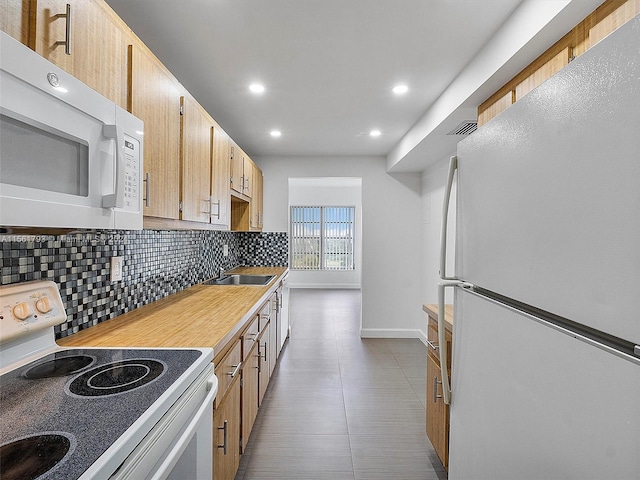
341 407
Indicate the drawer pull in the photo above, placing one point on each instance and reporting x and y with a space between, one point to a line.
235 371
435 389
432 345
224 438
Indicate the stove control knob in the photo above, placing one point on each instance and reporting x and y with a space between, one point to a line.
22 311
44 305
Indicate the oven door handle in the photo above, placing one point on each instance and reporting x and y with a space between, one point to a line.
116 199
172 457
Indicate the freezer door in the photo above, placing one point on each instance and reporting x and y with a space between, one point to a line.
549 193
529 402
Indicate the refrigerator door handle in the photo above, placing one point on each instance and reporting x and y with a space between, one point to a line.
445 281
453 166
442 344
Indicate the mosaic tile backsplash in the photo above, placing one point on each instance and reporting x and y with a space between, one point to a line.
157 263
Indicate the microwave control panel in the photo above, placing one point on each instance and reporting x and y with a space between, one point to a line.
132 174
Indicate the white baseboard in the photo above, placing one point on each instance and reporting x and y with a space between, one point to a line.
393 333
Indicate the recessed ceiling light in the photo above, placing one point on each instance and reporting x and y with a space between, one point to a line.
400 89
276 133
256 88
375 133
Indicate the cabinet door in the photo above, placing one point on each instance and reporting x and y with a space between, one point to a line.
250 375
15 20
274 331
437 412
155 99
220 175
276 314
264 357
226 434
237 168
98 43
196 161
255 206
247 171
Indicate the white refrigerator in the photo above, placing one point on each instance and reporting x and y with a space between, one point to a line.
545 380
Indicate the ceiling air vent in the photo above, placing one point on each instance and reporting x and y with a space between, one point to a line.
465 128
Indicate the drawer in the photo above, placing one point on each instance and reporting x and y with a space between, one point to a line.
228 369
264 314
249 337
432 337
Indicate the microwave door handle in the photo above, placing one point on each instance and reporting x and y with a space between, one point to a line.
116 199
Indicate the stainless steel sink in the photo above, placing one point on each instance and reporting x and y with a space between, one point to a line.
241 279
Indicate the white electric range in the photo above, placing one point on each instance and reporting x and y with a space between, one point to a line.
103 413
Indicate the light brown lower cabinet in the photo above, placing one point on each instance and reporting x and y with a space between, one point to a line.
243 372
226 435
226 415
437 412
264 355
250 375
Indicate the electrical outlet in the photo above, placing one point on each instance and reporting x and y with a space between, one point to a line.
225 250
116 269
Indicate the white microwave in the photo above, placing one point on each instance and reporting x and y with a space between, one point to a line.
69 157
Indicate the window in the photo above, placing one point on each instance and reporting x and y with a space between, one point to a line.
322 238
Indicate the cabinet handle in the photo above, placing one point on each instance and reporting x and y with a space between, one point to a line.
147 189
67 30
236 369
265 352
224 438
211 204
432 345
435 389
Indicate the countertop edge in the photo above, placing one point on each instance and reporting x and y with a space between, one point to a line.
96 336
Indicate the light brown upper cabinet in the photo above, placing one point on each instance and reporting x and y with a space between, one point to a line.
545 71
241 171
255 205
609 16
15 19
86 39
220 173
196 161
237 168
154 97
188 159
611 21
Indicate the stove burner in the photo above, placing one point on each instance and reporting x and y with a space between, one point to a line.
30 457
59 367
116 377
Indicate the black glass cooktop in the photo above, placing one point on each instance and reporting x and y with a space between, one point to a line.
62 412
58 365
30 457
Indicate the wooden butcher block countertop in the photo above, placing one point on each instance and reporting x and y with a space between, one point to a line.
432 310
199 316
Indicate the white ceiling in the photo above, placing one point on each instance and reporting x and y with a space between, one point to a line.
328 66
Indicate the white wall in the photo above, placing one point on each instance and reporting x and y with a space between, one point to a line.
329 191
391 234
434 182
